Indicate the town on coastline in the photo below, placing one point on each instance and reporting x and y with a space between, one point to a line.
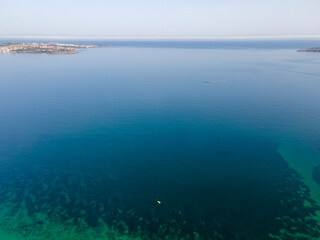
44 48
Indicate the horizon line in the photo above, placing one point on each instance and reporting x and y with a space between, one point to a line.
173 38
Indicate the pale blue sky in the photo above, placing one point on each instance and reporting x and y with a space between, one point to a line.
165 18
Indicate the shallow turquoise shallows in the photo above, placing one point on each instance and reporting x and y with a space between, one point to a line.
161 140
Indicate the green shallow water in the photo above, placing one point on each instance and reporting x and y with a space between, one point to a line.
85 187
160 143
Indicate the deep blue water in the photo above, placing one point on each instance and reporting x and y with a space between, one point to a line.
98 138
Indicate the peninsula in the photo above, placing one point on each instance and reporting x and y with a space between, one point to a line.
43 48
315 49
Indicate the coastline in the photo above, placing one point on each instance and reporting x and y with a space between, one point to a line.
51 48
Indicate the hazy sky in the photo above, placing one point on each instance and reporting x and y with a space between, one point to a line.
159 18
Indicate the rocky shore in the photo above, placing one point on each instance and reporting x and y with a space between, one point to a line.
315 49
43 48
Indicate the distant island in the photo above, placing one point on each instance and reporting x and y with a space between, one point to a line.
316 49
43 48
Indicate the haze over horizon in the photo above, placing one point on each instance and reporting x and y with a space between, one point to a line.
143 18
262 37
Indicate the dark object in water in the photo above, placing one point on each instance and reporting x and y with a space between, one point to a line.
316 174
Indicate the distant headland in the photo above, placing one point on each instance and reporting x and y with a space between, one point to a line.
315 49
43 48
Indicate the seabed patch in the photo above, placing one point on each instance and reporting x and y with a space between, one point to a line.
74 191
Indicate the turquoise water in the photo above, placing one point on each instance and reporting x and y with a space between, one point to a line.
161 140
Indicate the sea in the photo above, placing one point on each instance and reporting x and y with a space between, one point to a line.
161 139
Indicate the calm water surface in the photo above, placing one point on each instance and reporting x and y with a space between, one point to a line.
161 140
